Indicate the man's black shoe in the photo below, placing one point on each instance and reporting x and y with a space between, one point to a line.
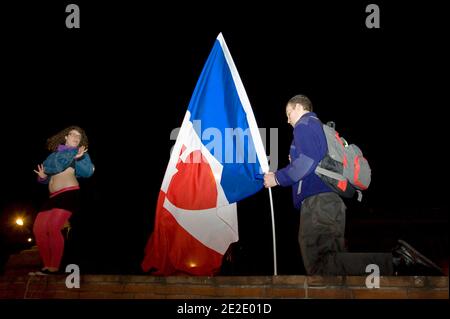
408 261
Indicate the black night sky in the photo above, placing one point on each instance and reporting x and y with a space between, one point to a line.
127 75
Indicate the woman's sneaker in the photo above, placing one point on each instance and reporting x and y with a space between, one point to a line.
44 272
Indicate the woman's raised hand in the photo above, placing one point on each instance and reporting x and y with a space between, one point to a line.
40 171
81 151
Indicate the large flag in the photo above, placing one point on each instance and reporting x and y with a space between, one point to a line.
217 160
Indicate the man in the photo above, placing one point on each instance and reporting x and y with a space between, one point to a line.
322 218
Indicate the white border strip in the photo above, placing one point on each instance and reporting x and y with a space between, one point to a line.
260 152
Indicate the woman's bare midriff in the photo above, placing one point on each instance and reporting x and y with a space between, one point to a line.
62 180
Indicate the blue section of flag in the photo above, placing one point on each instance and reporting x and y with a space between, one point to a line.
216 103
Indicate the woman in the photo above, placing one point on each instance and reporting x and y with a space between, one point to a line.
60 171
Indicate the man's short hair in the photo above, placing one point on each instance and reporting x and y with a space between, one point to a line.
303 100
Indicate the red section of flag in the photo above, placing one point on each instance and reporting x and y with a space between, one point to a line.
171 250
193 186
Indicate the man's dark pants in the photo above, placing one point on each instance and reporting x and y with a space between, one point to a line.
321 239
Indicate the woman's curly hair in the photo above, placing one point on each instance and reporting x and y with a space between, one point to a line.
59 138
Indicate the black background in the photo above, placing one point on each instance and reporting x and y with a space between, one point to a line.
127 75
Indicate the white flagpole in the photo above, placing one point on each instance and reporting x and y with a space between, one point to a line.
275 272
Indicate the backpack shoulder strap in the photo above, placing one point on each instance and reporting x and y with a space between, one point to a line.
330 173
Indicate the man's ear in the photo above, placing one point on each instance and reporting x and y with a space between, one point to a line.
298 105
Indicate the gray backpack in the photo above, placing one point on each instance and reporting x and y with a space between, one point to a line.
344 168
